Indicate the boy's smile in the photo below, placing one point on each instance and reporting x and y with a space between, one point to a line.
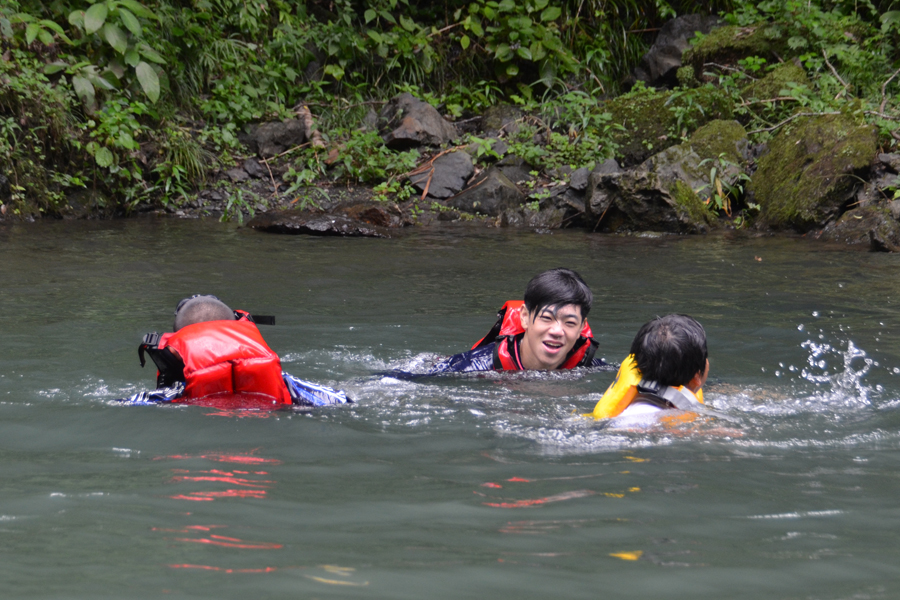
549 336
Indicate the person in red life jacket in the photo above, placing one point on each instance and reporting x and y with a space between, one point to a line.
546 331
216 356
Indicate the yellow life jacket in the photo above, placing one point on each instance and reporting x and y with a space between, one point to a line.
622 391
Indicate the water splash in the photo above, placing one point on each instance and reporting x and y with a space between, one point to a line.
845 386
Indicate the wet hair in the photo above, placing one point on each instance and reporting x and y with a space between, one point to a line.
557 288
670 350
199 309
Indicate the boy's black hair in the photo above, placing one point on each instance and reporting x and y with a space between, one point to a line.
199 309
670 350
557 288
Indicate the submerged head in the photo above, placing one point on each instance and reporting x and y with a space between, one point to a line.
199 309
556 304
671 350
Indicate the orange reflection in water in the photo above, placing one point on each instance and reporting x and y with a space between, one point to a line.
224 570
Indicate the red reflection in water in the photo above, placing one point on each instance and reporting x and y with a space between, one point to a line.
210 496
519 480
223 570
490 484
229 542
242 404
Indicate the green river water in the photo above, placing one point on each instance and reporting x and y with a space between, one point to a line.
456 487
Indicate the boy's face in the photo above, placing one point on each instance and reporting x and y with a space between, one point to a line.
549 335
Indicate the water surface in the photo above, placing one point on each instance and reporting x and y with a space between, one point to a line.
459 486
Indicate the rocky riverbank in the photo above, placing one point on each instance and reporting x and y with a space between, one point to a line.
676 157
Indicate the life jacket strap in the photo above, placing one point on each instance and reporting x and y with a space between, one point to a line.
679 399
170 368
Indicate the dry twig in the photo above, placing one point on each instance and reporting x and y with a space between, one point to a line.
791 118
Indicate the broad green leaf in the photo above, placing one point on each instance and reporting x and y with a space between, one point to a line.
520 24
55 27
475 27
23 18
512 70
524 52
139 9
540 4
130 22
103 157
31 32
538 52
335 71
52 25
290 74
370 15
407 24
382 50
548 73
95 17
490 13
54 67
376 37
5 28
503 53
507 6
115 37
45 36
148 80
132 58
464 41
551 13
387 17
151 54
76 18
126 141
84 89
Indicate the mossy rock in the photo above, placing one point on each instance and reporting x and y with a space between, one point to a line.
651 119
776 80
727 45
718 138
812 169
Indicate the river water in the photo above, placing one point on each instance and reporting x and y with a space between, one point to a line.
484 487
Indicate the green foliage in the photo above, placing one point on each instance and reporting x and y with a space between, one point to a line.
364 159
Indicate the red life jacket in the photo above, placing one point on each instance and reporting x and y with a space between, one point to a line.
509 326
227 358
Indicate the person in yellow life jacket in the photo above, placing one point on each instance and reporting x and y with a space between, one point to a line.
666 369
217 357
546 331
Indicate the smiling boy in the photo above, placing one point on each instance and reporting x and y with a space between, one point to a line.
546 331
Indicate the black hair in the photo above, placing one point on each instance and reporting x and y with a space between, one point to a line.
557 288
199 309
670 350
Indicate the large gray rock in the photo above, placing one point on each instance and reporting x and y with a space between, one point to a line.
446 175
271 139
490 194
407 122
660 64
657 195
871 226
346 220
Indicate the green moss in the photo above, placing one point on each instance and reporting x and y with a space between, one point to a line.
778 79
729 44
720 137
811 169
688 203
685 76
652 120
